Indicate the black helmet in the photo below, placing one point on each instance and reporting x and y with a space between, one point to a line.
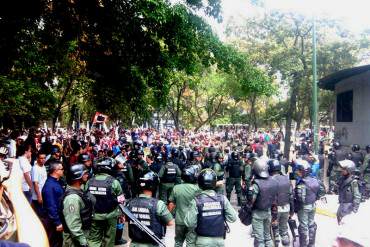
149 181
83 158
175 153
207 179
140 152
76 172
234 155
105 164
260 168
349 156
356 147
132 155
194 154
303 165
211 149
274 166
190 174
336 145
159 158
348 165
367 148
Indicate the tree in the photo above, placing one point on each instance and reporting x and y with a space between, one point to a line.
281 43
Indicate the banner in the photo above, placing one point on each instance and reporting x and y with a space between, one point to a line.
100 118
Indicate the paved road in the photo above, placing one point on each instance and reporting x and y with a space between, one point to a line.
240 234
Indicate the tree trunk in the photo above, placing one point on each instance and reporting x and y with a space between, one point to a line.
59 107
289 118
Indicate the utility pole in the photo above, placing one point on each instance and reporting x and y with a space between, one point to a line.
314 90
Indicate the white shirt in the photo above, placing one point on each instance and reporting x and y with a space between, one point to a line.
25 166
12 148
39 175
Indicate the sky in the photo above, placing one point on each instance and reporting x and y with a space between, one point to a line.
354 14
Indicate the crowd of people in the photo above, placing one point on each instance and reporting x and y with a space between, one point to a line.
75 182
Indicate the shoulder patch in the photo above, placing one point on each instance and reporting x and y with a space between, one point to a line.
71 208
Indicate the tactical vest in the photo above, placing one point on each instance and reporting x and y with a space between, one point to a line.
145 210
283 190
340 155
345 190
106 202
367 169
234 169
267 194
211 215
312 189
86 212
169 175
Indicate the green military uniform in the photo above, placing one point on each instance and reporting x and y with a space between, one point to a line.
191 220
103 228
166 183
75 236
261 220
220 177
349 196
306 211
164 215
365 171
181 196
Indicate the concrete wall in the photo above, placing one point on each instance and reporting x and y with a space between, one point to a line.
358 131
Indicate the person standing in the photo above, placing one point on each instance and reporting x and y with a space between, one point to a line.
77 208
169 175
25 153
284 203
52 194
208 212
106 190
151 212
235 169
365 172
333 172
348 190
179 201
39 177
262 196
307 191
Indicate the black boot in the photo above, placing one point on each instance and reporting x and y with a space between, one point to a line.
302 238
119 240
312 235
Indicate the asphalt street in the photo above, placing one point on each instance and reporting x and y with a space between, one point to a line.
240 235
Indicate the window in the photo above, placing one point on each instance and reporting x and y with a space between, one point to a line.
345 107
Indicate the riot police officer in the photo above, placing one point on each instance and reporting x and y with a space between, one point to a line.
196 159
85 159
118 173
169 175
175 153
261 196
107 191
365 172
348 190
77 208
284 203
217 166
338 154
209 211
306 192
151 212
235 168
357 156
180 198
